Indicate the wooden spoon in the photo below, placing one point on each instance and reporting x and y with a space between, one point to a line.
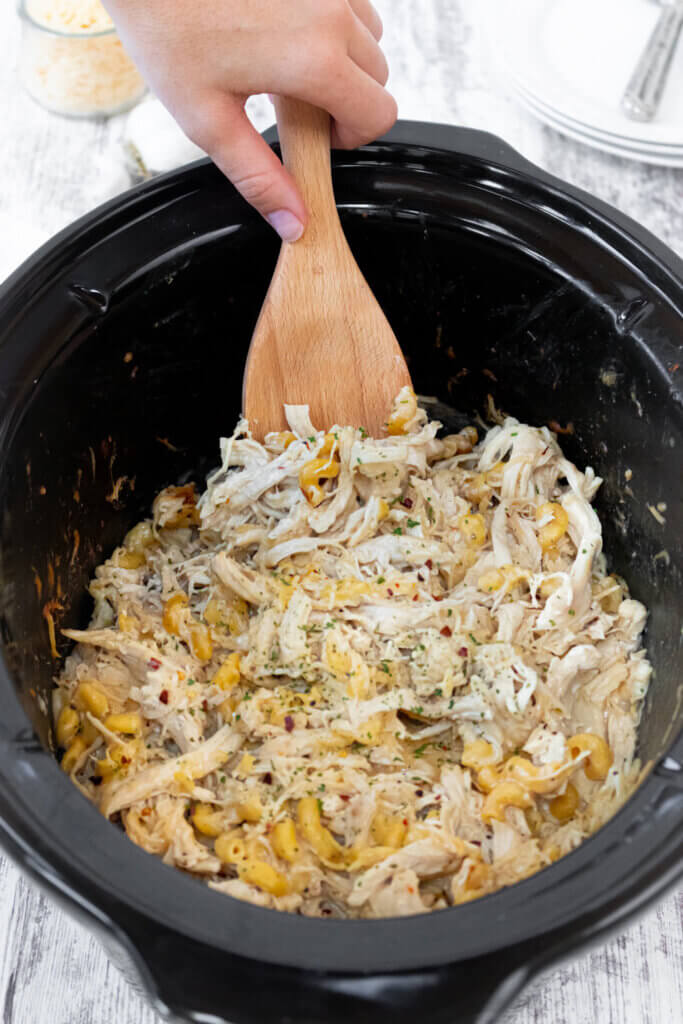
321 339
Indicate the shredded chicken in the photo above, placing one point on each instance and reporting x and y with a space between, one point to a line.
361 677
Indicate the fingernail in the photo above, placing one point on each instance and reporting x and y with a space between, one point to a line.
288 227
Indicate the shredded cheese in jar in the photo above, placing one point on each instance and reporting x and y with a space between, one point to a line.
72 60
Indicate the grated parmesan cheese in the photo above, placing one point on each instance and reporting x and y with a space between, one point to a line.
72 59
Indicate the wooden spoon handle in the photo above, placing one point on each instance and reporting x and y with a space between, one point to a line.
304 133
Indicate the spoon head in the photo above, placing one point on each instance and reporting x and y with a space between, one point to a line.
322 340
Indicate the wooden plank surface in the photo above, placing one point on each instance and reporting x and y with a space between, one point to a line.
52 170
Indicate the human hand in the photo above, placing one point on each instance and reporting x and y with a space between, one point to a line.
203 60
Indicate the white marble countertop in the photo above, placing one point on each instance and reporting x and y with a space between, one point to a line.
51 171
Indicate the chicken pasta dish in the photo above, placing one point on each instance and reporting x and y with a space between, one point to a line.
361 677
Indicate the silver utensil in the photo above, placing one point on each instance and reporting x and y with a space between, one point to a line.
644 91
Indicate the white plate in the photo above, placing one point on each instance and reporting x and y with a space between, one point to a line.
628 152
609 137
575 57
659 154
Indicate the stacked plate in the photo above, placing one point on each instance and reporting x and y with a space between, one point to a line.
569 62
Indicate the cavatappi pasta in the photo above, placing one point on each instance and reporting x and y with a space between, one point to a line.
361 677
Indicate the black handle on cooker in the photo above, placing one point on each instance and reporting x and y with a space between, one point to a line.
194 982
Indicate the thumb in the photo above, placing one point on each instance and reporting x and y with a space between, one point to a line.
257 174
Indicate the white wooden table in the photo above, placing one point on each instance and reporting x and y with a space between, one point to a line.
51 971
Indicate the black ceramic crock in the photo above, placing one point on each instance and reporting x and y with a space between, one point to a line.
122 344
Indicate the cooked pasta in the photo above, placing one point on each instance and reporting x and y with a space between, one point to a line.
361 677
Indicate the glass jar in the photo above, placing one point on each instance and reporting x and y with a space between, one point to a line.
76 65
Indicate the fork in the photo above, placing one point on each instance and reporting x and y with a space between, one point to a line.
644 91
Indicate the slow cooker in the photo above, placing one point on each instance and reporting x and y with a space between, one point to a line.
122 345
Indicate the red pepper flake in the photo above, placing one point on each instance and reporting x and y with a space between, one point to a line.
205 705
407 502
390 592
145 812
410 889
421 578
344 796
405 821
415 598
125 760
289 723
419 792
463 652
446 631
163 696
437 598
268 778
428 563
438 796
154 664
